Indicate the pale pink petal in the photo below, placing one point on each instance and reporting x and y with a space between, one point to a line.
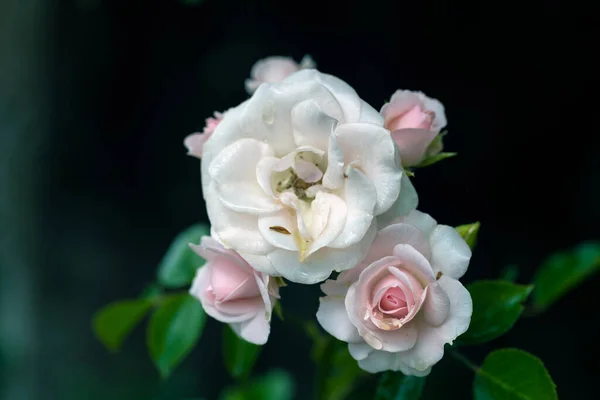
230 281
414 262
437 305
424 222
307 171
392 235
360 350
255 330
333 287
333 318
429 348
195 143
450 253
412 144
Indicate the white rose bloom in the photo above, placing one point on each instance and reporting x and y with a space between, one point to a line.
296 177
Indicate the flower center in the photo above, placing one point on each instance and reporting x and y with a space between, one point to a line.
301 173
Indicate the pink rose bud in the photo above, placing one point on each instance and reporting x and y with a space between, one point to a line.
195 142
414 120
275 69
401 305
231 291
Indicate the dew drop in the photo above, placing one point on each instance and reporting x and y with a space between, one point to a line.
268 112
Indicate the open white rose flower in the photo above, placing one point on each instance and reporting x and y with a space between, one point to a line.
296 178
404 302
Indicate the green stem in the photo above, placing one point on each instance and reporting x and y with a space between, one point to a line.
462 358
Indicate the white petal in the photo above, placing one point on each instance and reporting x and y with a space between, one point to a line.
234 170
333 318
407 201
234 230
331 208
429 348
370 115
260 263
270 227
373 150
360 351
450 253
311 125
319 265
264 169
334 175
344 96
359 195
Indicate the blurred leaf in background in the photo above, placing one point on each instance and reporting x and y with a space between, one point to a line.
396 386
174 330
274 385
179 265
563 271
497 305
115 321
239 355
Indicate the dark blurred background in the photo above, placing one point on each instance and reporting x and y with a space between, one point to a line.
96 97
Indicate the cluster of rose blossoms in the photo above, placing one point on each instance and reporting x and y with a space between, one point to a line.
304 178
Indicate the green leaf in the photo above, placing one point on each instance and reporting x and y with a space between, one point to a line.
497 305
239 355
563 271
179 264
341 371
469 232
396 386
510 273
512 374
275 385
174 330
435 158
115 321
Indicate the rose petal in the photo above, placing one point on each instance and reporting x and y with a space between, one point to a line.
392 235
407 201
360 351
429 348
412 144
360 198
334 175
234 171
279 230
333 318
255 330
319 265
326 207
414 262
194 143
312 126
450 253
307 171
424 222
373 151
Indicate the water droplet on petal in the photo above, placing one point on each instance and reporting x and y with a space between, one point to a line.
268 112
